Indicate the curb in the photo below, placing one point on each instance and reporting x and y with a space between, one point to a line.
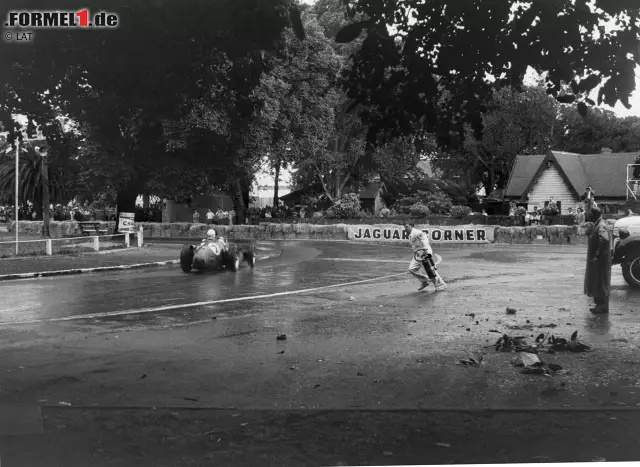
29 275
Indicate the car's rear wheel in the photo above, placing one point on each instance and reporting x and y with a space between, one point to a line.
250 257
186 258
233 258
631 270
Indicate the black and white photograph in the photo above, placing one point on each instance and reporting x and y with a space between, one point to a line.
319 233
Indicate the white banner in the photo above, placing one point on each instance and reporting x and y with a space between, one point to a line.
126 222
437 234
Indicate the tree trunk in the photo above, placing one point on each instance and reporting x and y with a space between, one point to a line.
238 202
276 198
45 196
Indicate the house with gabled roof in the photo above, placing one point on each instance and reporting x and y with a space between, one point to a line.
565 176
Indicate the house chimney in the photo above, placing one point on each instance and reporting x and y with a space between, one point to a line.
606 151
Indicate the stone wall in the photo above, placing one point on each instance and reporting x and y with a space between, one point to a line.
556 235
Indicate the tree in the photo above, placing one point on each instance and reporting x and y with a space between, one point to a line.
110 84
455 45
513 123
600 128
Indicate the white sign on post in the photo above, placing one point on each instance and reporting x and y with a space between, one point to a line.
126 222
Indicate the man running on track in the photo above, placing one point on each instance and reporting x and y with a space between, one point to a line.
419 240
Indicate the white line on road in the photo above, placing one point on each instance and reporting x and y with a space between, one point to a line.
108 314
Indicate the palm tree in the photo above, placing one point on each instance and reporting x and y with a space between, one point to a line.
29 176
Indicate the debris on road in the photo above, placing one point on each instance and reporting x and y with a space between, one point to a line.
511 311
530 359
64 403
470 361
471 315
192 399
572 345
444 445
351 299
281 352
281 337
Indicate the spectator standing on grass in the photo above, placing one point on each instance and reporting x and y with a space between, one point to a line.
196 216
580 216
597 277
210 217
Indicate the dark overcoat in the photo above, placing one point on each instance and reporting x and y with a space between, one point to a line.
597 277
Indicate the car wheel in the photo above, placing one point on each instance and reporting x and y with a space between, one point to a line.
250 257
186 258
631 270
233 255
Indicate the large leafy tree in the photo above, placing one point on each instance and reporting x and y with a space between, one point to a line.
599 129
415 49
513 123
125 88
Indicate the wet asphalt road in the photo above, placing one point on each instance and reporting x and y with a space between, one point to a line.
296 266
379 344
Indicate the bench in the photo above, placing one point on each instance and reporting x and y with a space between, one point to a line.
92 229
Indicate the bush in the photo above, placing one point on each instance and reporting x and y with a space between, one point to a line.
419 210
459 211
438 203
385 212
330 213
348 206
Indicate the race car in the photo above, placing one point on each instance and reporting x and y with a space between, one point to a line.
626 248
215 254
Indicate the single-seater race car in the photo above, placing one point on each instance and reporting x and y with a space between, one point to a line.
215 254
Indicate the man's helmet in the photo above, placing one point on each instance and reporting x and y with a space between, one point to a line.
211 234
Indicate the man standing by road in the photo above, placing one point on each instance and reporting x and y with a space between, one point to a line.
210 217
597 278
590 203
420 241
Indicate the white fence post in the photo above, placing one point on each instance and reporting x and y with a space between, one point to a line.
127 239
49 247
96 243
140 237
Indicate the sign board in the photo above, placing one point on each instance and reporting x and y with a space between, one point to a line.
437 234
126 222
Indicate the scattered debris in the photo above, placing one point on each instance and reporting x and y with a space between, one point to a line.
214 317
530 360
281 352
496 331
474 362
351 299
143 376
514 344
554 367
444 445
282 337
316 386
468 329
511 311
410 321
64 403
471 315
192 399
244 424
359 374
573 345
564 309
548 326
387 454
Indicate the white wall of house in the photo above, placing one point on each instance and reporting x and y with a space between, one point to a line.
551 183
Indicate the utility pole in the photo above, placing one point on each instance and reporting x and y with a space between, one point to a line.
45 190
16 192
